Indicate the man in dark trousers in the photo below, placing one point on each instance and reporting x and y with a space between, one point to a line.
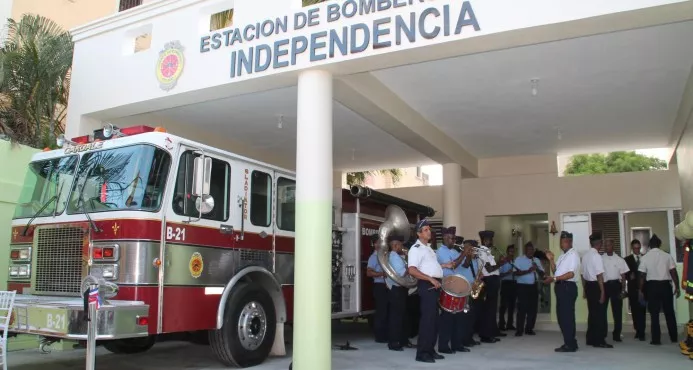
508 292
659 271
423 265
565 276
637 309
375 271
491 257
595 293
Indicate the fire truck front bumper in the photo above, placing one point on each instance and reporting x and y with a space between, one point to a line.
65 318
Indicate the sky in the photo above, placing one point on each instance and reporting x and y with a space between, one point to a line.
435 171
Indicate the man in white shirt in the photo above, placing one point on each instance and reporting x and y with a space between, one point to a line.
658 270
488 328
593 288
565 273
615 270
423 265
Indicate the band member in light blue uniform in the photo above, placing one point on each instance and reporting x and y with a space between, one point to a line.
528 268
450 333
397 298
508 292
375 271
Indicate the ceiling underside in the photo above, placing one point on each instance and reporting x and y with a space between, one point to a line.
616 91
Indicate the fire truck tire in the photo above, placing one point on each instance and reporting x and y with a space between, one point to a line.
247 334
130 346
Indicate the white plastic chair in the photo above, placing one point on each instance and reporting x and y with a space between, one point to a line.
6 303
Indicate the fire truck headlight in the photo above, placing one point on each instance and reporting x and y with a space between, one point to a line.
109 271
60 140
24 270
14 270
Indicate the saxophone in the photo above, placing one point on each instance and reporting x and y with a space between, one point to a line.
478 284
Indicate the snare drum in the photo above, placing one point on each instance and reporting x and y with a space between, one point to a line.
453 293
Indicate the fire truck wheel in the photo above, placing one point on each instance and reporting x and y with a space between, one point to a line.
247 335
131 345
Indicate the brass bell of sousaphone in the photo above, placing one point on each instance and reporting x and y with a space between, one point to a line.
396 224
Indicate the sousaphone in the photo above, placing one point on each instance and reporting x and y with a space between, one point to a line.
396 224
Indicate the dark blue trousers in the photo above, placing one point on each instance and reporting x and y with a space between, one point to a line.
428 325
566 295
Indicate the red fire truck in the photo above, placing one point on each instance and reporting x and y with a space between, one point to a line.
181 237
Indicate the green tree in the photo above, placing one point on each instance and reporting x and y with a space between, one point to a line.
614 162
35 64
358 178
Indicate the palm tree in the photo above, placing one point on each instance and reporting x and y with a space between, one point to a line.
358 178
35 64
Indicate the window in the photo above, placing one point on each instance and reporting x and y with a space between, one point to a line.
260 199
286 204
45 181
126 178
184 202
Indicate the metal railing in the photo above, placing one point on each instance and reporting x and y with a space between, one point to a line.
128 4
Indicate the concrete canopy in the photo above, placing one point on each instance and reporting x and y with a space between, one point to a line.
613 81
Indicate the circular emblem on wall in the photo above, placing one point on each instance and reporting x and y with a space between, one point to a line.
170 65
196 265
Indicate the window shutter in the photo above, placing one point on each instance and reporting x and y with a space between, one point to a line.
608 223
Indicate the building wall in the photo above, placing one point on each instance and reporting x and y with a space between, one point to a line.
67 13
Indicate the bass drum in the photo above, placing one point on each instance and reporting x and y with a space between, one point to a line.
453 293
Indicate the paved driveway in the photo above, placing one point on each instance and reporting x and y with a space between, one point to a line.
510 354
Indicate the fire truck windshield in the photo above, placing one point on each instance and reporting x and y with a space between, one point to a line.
45 181
126 178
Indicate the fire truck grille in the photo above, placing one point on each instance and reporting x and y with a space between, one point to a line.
59 261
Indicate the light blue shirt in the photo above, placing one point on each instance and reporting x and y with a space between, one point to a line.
375 265
467 271
446 255
523 263
505 268
397 264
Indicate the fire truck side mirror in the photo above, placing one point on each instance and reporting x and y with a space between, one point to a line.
202 176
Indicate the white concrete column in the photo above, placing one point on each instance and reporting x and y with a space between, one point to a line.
452 187
314 193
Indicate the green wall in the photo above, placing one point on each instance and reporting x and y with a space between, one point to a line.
13 164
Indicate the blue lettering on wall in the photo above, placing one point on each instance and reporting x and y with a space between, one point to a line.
427 23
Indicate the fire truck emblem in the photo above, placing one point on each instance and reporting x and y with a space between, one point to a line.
169 67
115 228
196 265
14 234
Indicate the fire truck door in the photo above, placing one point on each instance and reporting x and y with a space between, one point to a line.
198 259
257 233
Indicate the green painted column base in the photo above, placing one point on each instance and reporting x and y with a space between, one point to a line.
312 290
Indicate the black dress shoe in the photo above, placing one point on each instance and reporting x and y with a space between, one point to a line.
510 327
565 349
462 349
603 345
437 356
489 340
446 351
393 348
501 335
530 332
656 343
617 339
518 333
425 358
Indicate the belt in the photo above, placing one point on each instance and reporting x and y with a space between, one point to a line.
614 281
591 282
564 282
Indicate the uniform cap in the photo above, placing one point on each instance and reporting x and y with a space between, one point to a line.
420 225
566 235
486 234
449 231
597 235
655 242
